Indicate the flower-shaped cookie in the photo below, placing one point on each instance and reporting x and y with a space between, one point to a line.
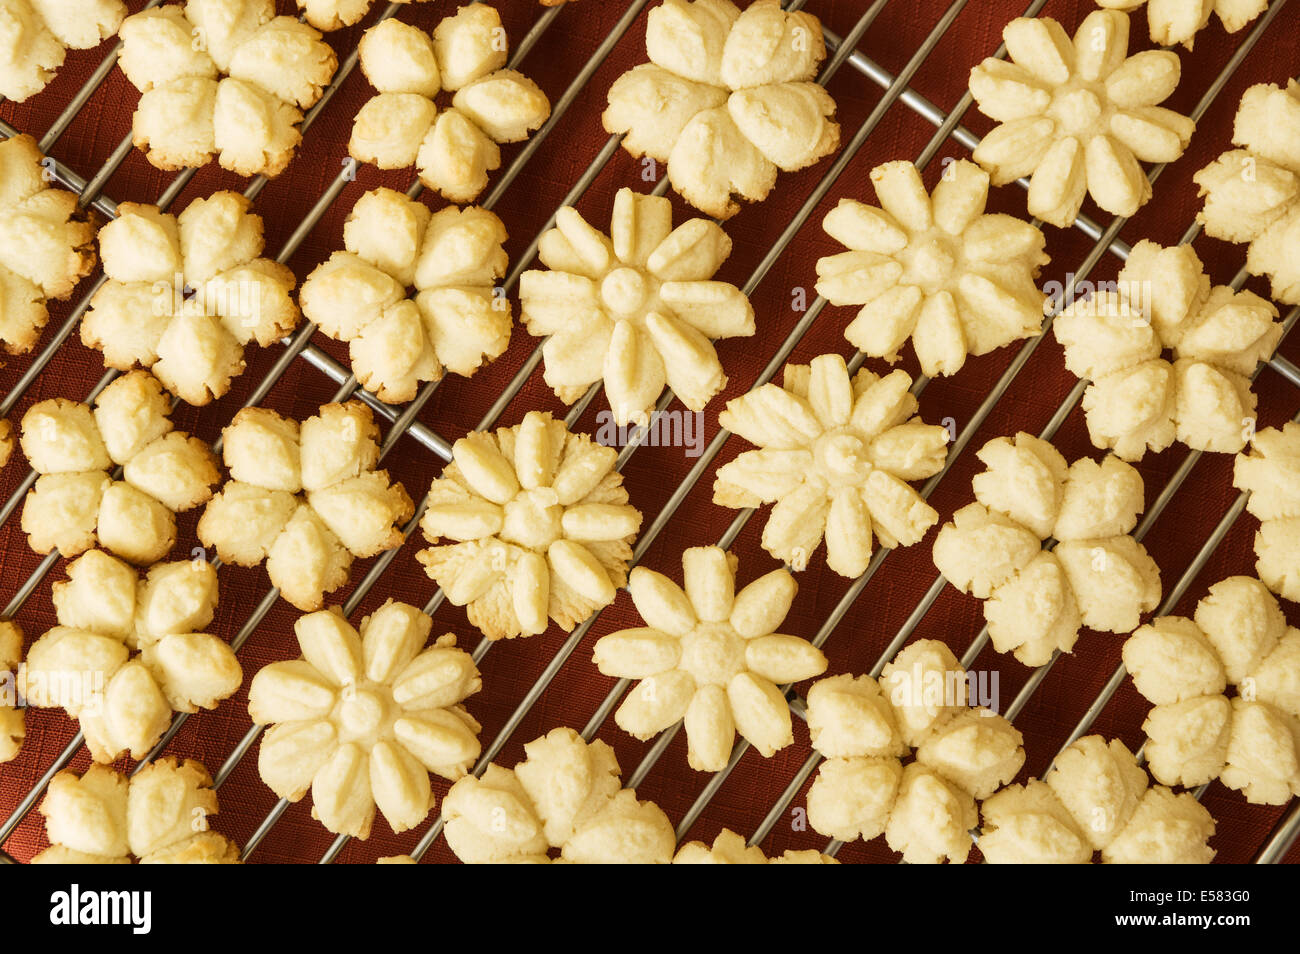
362 718
75 503
637 310
836 454
538 527
1252 194
726 99
306 499
6 441
1095 798
711 656
46 245
105 612
864 728
729 848
1196 733
13 718
456 321
1136 399
224 78
36 34
1078 117
565 795
1271 472
159 816
934 268
184 294
1037 599
1178 21
455 149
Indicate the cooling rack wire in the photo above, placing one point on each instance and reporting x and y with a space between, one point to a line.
844 51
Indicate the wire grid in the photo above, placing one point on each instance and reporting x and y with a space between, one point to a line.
403 420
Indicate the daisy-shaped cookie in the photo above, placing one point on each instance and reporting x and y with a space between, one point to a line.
363 717
1095 798
36 34
1136 399
106 612
1178 21
920 710
835 457
709 655
13 718
565 798
933 268
636 309
1037 599
305 499
529 524
726 99
1250 740
1252 194
184 294
1078 117
223 78
46 244
453 149
456 322
729 848
1271 472
76 504
158 816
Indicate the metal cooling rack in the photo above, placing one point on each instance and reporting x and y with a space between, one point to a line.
402 421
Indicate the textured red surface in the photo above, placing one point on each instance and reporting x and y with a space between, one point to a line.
511 668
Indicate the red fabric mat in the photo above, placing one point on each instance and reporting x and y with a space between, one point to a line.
511 668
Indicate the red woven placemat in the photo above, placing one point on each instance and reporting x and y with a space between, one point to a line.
511 668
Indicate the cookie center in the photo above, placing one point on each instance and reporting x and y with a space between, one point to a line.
362 714
713 653
532 519
841 458
929 263
624 291
1078 111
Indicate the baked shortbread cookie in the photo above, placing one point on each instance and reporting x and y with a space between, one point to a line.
637 310
726 99
1095 798
36 34
6 441
933 268
328 15
456 322
1137 400
185 294
128 652
453 149
1196 732
46 243
1252 193
864 728
1270 471
565 796
835 455
158 816
529 524
364 716
305 499
225 79
1178 21
1078 117
728 848
710 656
77 504
1037 599
13 718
